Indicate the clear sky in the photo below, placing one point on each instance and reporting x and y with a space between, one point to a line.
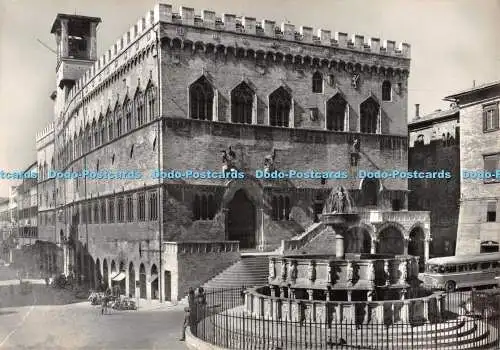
453 43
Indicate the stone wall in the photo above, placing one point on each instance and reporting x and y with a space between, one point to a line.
473 227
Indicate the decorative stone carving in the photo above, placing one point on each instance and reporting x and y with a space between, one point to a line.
312 271
387 273
283 270
293 271
355 148
269 162
272 270
371 273
228 158
355 80
404 271
329 273
349 272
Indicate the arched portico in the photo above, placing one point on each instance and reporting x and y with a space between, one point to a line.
416 245
391 239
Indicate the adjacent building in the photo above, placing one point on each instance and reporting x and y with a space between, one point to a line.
479 222
181 91
435 146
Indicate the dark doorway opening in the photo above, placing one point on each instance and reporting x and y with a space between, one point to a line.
241 220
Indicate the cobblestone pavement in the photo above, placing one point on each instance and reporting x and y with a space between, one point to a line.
47 318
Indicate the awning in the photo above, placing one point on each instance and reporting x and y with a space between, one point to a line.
154 278
119 277
490 244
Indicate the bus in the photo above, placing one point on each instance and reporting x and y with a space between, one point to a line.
452 272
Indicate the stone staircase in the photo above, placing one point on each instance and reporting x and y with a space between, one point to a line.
251 270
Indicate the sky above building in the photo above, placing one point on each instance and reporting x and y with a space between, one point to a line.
453 43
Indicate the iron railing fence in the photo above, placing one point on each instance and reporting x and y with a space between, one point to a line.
471 320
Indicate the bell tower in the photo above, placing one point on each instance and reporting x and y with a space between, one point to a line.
76 47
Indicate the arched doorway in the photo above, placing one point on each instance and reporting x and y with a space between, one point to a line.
142 281
391 241
105 274
154 283
131 280
241 220
416 246
369 190
358 240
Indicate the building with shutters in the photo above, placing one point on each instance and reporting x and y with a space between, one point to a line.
479 221
182 91
435 146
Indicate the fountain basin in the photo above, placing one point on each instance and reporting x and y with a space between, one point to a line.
271 303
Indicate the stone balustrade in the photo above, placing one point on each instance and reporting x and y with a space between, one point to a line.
303 239
200 247
425 309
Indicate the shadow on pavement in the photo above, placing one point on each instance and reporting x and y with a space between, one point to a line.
39 294
7 312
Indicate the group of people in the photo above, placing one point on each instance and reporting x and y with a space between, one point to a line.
197 302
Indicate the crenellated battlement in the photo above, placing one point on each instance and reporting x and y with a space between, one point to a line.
241 25
286 31
45 132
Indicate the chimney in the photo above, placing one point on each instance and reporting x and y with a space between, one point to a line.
417 110
473 83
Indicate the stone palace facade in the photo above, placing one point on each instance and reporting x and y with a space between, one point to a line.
183 91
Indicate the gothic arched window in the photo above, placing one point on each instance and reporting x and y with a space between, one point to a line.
242 104
369 118
151 102
369 190
201 96
386 91
109 121
280 105
139 107
317 82
95 134
119 121
204 207
102 129
335 113
129 115
281 208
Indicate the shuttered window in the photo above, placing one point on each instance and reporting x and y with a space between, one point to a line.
491 214
490 118
491 162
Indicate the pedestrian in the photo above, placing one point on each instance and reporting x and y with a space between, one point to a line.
191 297
186 324
201 302
104 307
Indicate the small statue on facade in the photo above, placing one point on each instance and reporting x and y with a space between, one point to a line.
355 149
355 80
269 162
349 272
228 158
